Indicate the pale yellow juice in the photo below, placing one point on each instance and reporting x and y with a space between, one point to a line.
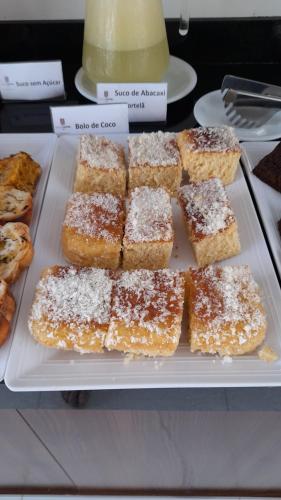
124 41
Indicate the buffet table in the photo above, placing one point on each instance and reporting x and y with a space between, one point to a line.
155 419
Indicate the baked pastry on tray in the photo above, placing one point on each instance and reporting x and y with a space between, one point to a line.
225 313
101 166
7 309
20 171
209 152
154 160
210 221
148 238
146 312
268 169
71 308
15 205
16 250
93 229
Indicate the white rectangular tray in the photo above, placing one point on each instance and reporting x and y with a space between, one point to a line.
34 367
268 199
41 148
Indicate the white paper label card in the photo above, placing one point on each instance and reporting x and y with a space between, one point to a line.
146 101
31 81
90 119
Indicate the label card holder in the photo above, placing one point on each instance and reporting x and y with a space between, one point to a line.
31 81
90 119
146 101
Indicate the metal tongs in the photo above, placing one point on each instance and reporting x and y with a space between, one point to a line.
249 103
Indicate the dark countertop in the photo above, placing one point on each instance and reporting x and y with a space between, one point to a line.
205 400
244 47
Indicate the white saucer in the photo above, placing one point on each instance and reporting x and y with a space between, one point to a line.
181 78
209 111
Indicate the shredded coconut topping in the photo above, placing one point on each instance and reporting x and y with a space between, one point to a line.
76 297
95 215
99 152
218 139
206 206
227 295
149 299
267 354
153 149
149 216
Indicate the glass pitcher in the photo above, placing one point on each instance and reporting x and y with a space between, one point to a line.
124 41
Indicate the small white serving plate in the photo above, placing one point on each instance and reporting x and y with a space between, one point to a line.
268 199
181 78
209 112
41 148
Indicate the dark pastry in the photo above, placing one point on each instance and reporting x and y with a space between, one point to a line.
268 169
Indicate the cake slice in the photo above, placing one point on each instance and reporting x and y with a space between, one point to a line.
15 205
209 152
101 166
146 312
20 171
7 309
16 250
268 169
93 229
71 308
225 314
210 221
148 238
154 160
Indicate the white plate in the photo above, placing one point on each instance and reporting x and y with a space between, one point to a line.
209 111
181 78
267 198
41 148
34 367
